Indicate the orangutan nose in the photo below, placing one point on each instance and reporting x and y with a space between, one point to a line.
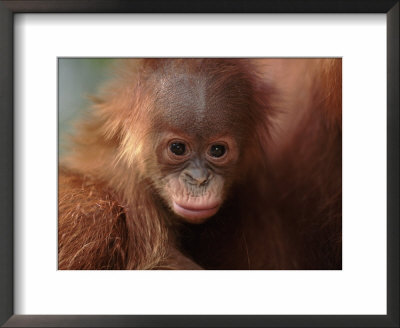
197 176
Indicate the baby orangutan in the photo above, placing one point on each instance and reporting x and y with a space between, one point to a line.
171 171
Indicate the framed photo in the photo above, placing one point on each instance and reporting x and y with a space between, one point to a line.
41 41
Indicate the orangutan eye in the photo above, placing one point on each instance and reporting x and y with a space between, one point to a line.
178 148
217 150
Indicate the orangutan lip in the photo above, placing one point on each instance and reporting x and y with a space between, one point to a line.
195 212
197 209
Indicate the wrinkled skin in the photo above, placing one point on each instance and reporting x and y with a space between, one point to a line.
195 183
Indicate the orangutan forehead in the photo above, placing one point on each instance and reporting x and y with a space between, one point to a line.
189 104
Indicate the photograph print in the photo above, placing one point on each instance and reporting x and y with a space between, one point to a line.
200 164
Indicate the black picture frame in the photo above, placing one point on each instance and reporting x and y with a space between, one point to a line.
7 11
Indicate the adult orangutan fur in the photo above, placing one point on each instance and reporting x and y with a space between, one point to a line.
207 163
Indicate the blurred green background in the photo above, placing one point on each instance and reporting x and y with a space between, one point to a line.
77 79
